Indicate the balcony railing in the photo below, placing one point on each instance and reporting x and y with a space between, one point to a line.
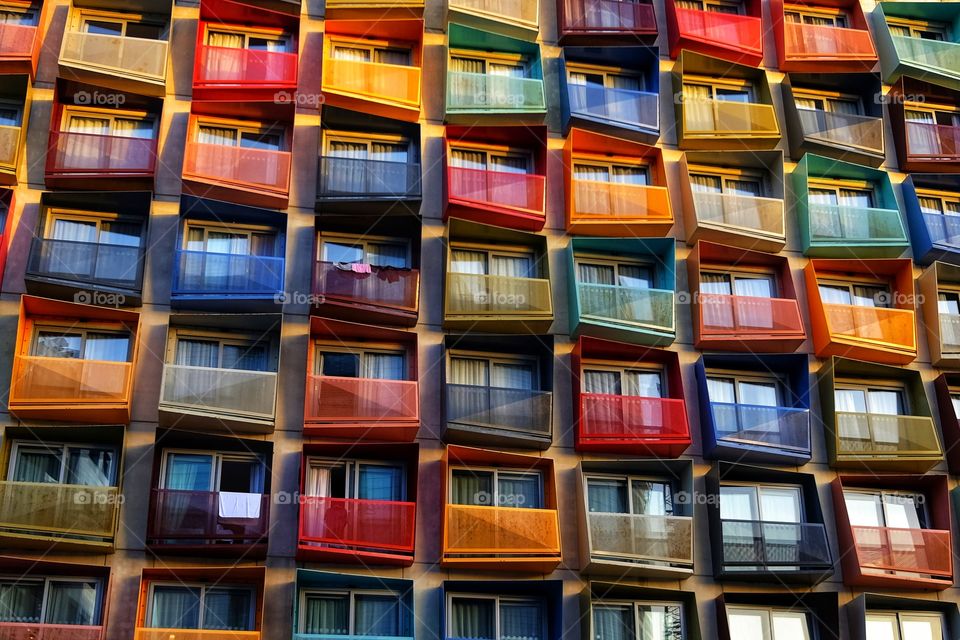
725 118
933 142
949 333
638 537
86 262
112 54
338 636
747 214
16 40
482 187
618 418
615 106
611 16
631 305
483 92
472 294
229 391
9 145
356 178
253 168
916 551
207 273
936 56
394 83
887 327
379 525
748 316
860 225
42 380
777 546
817 42
758 425
37 631
68 510
943 229
336 399
144 633
501 531
382 287
84 153
199 517
880 435
828 127
520 410
245 67
522 11
741 32
618 202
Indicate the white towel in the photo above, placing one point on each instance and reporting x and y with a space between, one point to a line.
234 504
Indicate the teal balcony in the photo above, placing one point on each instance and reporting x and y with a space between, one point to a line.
932 60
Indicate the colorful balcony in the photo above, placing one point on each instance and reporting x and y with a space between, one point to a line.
768 551
935 237
707 123
101 272
487 415
620 112
379 589
873 441
813 48
485 98
887 335
20 43
360 531
925 147
615 209
15 90
844 231
67 516
855 138
625 424
752 433
377 88
942 327
373 409
947 387
191 521
240 74
604 22
495 537
925 59
71 389
737 38
515 18
737 322
891 557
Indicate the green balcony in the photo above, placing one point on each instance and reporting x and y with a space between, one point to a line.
932 60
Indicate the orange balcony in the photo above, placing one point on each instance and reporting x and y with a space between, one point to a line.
19 47
144 633
917 551
85 155
262 175
737 38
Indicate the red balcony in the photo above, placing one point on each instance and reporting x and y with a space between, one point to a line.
604 21
737 38
20 44
823 49
82 156
193 522
932 142
335 526
924 147
390 295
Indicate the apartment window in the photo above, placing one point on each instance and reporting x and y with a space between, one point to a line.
613 620
185 606
497 488
243 136
739 283
498 160
894 509
862 294
614 273
604 78
939 202
101 246
835 196
11 114
733 182
918 29
948 303
507 261
837 103
715 6
491 617
229 37
497 372
629 494
241 473
819 17
486 64
746 405
356 362
55 463
698 91
781 503
856 398
380 148
365 613
120 124
905 625
117 25
355 479
366 51
598 171
212 351
54 601
235 240
758 623
605 379
372 250
930 128
81 344
18 15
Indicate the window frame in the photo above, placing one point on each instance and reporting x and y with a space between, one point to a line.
111 116
304 594
16 445
737 377
48 580
491 359
82 330
623 368
353 472
224 338
714 84
493 151
371 45
497 599
362 241
608 73
15 105
635 606
80 16
495 473
320 345
204 587
216 469
509 251
897 618
828 98
629 478
240 127
769 613
52 214
834 13
488 57
760 486
847 384
725 174
919 498
248 230
248 31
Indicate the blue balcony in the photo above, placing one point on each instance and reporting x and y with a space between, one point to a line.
398 625
934 236
743 432
226 275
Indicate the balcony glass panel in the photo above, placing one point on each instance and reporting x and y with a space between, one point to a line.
748 315
381 525
234 391
9 145
833 223
722 117
337 636
471 294
742 32
850 130
64 380
377 80
928 141
620 202
92 153
780 427
91 262
514 409
617 106
199 517
356 177
137 56
261 168
819 41
33 631
625 536
609 15
142 633
944 230
781 546
479 91
481 530
942 57
651 307
875 434
16 40
497 188
888 326
361 399
509 10
949 333
58 509
632 417
382 287
203 272
748 213
923 551
246 67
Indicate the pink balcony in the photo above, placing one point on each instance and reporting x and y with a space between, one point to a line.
912 551
504 199
632 424
362 407
85 156
225 71
261 175
378 531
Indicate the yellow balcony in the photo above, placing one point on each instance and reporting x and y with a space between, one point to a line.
879 441
707 120
73 517
143 633
471 297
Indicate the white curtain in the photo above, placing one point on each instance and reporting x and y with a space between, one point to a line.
175 607
198 353
327 615
922 138
384 366
613 622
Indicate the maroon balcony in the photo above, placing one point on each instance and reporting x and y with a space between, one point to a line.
338 529
736 38
386 294
927 142
34 631
200 522
604 21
